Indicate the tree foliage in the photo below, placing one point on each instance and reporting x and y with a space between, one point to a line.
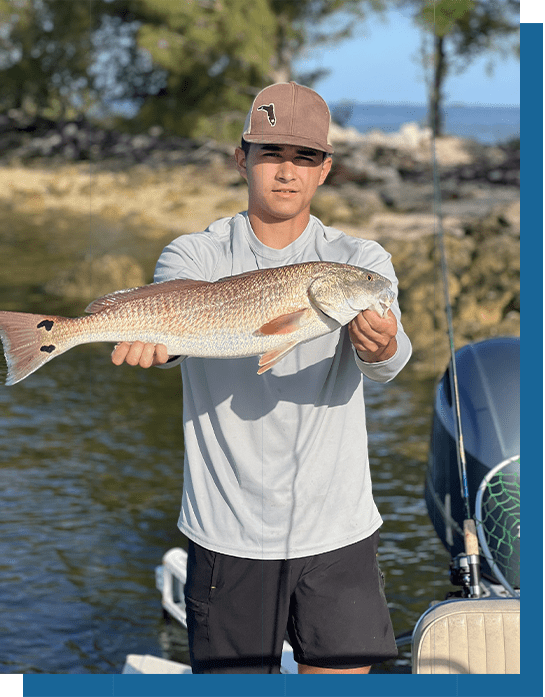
44 55
310 23
208 54
463 30
191 66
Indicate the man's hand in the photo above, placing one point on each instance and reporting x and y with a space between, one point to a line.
373 336
139 353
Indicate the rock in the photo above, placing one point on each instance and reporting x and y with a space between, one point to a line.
484 288
92 278
348 205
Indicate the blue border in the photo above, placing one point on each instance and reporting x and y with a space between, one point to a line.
530 682
531 129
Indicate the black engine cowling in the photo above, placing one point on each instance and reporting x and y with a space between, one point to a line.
489 387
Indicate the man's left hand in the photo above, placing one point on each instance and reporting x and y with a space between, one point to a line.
373 336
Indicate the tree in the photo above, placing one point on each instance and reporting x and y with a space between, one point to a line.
463 29
207 55
216 55
307 23
35 51
191 66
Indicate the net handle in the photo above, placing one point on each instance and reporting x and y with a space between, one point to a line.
480 528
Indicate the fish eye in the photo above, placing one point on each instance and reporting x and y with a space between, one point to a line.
369 277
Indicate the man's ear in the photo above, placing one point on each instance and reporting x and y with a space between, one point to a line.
326 167
240 162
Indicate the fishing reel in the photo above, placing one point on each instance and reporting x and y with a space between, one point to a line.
464 571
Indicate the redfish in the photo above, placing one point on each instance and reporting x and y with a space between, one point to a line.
264 313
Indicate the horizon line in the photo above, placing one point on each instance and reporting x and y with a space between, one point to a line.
350 102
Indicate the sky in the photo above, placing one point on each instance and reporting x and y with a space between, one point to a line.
381 64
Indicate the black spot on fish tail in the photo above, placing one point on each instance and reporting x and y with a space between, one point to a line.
47 323
48 349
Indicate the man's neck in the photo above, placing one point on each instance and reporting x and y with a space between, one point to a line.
279 233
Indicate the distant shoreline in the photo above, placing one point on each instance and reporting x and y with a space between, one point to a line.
484 124
423 105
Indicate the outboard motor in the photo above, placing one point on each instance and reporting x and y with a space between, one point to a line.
489 388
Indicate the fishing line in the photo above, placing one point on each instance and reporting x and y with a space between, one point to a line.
460 451
471 543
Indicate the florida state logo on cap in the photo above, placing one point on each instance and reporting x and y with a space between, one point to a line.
269 110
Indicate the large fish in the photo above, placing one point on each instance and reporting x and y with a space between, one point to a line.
265 312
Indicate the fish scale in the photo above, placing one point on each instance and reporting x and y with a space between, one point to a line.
264 313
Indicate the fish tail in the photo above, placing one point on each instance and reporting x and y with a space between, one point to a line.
28 341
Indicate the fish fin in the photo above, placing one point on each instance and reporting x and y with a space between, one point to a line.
123 296
245 274
27 343
285 324
267 360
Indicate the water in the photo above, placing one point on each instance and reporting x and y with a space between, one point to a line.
485 124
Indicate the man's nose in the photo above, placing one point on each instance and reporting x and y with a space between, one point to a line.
286 171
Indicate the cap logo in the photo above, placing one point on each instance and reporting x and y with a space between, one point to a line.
269 110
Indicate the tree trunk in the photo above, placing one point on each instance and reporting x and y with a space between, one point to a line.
436 92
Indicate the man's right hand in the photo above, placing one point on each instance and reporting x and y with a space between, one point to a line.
139 353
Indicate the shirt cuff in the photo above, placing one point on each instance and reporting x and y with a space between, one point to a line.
384 371
172 361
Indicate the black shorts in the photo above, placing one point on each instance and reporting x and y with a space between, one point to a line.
332 605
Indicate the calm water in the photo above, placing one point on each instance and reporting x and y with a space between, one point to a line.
485 124
91 469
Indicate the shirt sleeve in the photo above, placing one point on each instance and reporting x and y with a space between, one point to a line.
374 257
193 256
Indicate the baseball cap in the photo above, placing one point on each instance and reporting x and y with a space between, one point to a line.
289 114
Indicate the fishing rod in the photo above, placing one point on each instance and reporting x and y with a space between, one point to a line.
471 563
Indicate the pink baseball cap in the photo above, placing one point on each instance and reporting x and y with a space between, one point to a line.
289 114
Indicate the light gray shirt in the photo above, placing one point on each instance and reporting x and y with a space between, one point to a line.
276 465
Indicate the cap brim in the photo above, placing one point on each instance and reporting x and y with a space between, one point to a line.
288 140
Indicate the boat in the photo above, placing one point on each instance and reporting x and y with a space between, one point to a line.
476 629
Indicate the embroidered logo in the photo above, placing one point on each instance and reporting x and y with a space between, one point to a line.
269 110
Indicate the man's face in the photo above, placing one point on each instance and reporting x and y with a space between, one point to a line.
282 179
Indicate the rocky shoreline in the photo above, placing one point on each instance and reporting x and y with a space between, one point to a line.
142 190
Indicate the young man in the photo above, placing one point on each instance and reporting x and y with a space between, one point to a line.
277 503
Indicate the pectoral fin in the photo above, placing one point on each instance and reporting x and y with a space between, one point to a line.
267 360
285 324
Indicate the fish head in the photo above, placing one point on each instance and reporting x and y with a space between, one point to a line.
343 291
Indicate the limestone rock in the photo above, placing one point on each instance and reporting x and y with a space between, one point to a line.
94 277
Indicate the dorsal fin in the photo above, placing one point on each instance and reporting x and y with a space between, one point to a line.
124 296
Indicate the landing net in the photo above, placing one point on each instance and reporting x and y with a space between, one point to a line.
497 517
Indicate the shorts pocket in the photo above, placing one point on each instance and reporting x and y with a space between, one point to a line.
202 572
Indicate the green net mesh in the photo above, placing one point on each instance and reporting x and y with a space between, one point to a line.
497 517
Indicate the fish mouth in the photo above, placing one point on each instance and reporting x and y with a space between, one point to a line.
385 299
